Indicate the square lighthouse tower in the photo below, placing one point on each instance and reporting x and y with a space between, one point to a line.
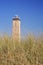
16 28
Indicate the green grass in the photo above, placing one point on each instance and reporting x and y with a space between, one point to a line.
27 52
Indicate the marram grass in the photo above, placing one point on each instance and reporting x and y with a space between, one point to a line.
27 52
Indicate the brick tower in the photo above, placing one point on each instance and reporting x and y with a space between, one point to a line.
16 28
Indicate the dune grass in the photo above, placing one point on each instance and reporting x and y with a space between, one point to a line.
27 52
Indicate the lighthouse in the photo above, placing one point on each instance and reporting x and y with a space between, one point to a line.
16 28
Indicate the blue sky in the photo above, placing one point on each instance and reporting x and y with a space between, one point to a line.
29 11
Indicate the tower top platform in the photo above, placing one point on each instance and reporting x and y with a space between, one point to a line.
16 18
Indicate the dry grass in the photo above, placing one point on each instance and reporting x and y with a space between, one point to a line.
27 52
